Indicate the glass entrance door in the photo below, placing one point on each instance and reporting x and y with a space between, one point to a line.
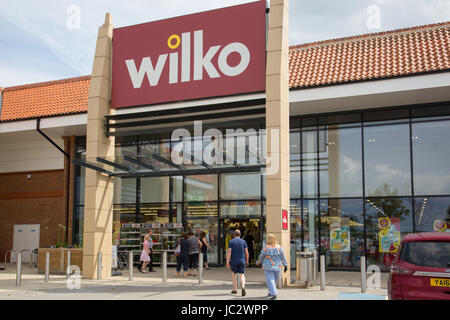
250 232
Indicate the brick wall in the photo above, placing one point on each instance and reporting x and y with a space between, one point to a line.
38 200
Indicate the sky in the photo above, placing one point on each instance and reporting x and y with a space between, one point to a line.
44 40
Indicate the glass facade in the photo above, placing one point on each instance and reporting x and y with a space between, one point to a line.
367 180
359 182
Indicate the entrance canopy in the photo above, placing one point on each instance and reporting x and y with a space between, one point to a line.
148 164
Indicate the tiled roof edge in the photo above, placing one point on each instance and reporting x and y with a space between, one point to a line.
296 88
47 83
44 117
370 35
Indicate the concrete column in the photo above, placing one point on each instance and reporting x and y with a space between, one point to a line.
99 188
277 124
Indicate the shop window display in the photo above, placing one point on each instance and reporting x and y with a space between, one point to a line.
387 221
342 232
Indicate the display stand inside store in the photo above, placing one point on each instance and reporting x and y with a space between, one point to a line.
164 238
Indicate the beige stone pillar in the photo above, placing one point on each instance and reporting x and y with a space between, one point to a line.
277 122
99 188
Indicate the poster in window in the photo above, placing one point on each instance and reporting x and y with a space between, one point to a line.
389 234
339 234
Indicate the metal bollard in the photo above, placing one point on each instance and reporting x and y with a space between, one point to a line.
164 267
68 265
130 265
363 274
19 270
322 272
47 266
279 280
99 266
200 268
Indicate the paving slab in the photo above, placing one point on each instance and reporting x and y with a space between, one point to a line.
217 285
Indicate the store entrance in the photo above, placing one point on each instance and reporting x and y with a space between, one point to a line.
250 231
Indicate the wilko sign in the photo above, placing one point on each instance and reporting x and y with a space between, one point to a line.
208 54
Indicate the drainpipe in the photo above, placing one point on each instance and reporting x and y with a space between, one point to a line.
38 129
1 102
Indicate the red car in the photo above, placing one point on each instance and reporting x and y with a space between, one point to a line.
421 268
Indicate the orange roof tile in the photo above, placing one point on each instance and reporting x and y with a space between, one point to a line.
44 99
372 56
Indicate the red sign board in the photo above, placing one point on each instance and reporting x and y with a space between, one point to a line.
284 219
209 54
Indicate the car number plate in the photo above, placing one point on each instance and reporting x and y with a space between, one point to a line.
440 282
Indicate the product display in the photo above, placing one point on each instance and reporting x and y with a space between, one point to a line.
164 238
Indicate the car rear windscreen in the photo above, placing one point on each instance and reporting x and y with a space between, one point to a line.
427 254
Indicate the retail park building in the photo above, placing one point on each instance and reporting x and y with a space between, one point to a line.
357 128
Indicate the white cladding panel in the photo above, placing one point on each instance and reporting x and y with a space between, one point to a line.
27 156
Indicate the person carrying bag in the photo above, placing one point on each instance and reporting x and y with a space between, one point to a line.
273 260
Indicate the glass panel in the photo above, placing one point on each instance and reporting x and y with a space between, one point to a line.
296 230
240 186
431 111
310 214
201 188
177 189
342 232
125 213
309 163
427 254
124 191
209 225
388 115
154 212
387 221
432 214
341 163
158 147
201 209
353 118
294 167
431 154
387 160
155 189
241 209
78 225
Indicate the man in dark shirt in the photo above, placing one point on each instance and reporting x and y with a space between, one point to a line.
237 260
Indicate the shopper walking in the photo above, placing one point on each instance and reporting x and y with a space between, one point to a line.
204 249
183 257
237 260
194 249
273 260
145 254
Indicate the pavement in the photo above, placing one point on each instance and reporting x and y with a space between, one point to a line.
216 285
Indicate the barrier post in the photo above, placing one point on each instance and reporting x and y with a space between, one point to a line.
322 272
47 266
68 264
99 266
164 267
363 274
200 268
130 265
19 270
